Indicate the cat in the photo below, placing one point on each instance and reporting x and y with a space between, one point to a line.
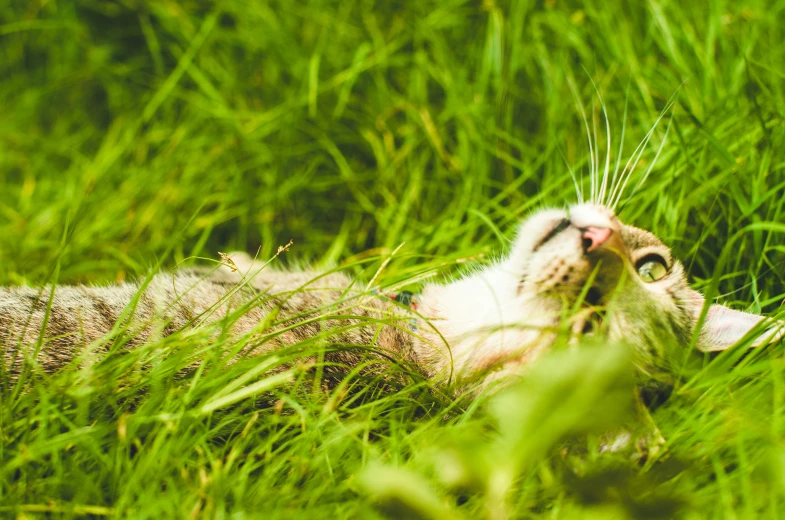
481 328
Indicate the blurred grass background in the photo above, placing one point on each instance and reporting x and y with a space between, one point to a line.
135 132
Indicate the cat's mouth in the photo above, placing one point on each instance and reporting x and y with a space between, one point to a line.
593 297
591 314
588 321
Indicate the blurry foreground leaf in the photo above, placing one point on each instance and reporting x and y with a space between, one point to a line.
404 494
566 393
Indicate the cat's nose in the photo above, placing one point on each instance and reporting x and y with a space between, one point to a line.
584 216
593 237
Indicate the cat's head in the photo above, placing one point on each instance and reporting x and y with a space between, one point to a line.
585 254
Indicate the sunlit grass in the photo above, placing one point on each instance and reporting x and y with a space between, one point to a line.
139 135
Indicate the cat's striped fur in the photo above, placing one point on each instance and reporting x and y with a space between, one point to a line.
273 309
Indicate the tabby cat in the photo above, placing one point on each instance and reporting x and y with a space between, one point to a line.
581 262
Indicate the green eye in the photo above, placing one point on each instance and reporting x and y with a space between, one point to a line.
652 268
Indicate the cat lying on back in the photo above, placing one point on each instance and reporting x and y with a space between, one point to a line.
485 325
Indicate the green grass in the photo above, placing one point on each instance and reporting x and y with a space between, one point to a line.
138 134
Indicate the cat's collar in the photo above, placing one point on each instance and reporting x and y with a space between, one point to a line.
405 298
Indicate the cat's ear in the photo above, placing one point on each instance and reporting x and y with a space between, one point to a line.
725 327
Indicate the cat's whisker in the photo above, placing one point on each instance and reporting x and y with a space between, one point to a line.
629 168
653 162
618 190
596 163
604 185
609 144
578 102
615 179
578 188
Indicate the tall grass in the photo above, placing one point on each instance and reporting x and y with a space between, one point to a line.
138 134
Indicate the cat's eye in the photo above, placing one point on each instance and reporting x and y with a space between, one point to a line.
652 268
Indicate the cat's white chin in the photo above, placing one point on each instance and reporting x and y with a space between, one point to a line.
480 323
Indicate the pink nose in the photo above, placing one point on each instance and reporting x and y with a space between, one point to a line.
594 237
